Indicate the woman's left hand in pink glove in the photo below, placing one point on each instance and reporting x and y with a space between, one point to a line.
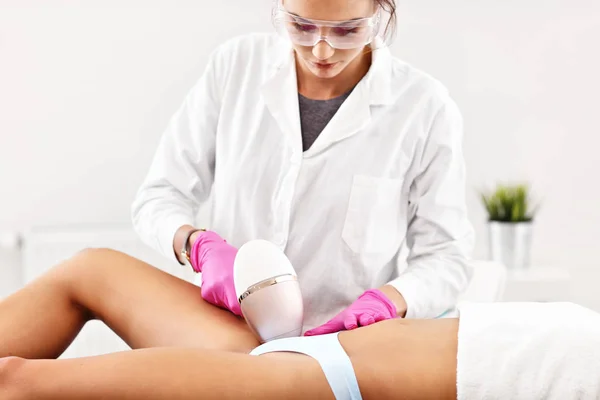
213 257
372 306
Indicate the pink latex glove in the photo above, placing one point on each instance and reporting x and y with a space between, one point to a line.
213 257
372 306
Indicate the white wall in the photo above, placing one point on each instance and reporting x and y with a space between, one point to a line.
86 89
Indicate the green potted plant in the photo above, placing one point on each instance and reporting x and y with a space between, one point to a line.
510 224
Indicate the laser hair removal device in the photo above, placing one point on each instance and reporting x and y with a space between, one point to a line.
267 288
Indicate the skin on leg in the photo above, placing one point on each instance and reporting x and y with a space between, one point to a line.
175 374
145 306
408 359
10 368
414 359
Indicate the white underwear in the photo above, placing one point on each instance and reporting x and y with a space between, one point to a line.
330 354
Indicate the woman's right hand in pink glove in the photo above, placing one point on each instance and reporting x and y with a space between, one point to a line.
213 257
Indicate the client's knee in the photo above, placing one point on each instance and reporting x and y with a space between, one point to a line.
84 261
93 255
64 272
12 386
8 365
84 272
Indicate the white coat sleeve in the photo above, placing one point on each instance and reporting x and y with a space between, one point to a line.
182 171
440 235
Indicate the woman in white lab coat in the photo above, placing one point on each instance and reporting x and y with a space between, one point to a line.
319 140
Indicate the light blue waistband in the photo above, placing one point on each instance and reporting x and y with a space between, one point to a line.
330 354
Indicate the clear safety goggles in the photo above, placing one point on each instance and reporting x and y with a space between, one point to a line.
343 35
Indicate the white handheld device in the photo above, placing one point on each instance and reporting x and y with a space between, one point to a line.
267 288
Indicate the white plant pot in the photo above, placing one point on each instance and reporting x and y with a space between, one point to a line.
510 243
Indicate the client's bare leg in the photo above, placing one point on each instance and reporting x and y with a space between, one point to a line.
408 359
166 373
145 306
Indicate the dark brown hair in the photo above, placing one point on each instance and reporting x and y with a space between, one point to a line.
389 6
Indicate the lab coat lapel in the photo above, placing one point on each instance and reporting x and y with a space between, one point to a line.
355 113
353 116
280 94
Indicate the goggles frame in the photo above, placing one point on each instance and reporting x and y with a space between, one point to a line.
279 13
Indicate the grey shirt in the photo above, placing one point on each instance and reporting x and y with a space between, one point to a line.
315 115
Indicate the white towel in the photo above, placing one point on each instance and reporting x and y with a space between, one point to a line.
528 351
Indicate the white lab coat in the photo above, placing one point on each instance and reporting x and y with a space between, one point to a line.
387 170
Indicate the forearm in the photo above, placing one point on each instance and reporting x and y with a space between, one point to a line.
396 298
181 175
158 214
183 234
170 373
431 285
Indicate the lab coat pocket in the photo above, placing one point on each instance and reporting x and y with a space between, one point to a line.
373 228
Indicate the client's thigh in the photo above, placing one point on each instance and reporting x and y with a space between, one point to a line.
148 307
408 359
